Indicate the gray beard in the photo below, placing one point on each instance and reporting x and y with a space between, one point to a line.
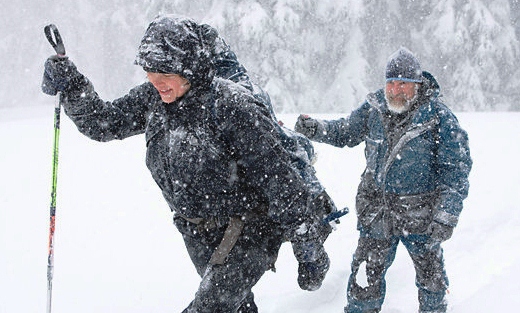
401 108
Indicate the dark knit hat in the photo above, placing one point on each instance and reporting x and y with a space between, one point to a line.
175 44
403 65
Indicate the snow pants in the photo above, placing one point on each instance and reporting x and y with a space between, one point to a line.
226 288
378 255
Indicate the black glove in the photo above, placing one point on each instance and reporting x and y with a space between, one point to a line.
306 126
58 72
438 233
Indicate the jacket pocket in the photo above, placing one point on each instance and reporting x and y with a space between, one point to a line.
370 209
412 214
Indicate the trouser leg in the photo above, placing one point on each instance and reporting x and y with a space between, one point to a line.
248 305
377 255
431 279
226 288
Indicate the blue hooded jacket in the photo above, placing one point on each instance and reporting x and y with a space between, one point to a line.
418 162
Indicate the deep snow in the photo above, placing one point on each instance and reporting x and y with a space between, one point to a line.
116 249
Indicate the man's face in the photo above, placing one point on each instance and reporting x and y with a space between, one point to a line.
170 86
400 95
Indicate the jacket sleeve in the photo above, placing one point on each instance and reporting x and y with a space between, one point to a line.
453 167
342 132
255 141
105 121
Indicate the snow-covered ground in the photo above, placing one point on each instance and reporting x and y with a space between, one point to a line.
116 249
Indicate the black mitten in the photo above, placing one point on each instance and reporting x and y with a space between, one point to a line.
58 72
306 126
439 233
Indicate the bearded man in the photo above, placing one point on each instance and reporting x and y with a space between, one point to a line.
411 191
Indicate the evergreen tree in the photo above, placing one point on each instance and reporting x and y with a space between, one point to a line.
515 16
469 46
292 48
311 56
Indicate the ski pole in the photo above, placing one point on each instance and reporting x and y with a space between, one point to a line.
58 46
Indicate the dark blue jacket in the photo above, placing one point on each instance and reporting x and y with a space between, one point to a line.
417 162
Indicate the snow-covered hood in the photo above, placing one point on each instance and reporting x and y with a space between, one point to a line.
175 44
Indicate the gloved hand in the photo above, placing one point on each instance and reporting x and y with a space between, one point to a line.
306 125
57 75
438 233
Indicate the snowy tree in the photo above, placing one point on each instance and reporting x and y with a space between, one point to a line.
470 45
513 84
311 56
326 56
515 16
294 49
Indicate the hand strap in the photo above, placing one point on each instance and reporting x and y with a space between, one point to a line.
56 42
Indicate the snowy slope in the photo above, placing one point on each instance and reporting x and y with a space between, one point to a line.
117 251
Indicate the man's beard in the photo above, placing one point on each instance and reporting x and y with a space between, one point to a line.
399 104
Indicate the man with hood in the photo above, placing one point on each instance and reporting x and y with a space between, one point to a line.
217 155
416 177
